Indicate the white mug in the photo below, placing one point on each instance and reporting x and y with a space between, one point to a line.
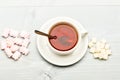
80 30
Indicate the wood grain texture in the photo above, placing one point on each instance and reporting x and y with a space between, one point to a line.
100 21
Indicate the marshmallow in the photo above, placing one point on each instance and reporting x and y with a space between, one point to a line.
8 52
101 55
100 49
15 44
3 45
14 48
24 34
92 50
107 46
24 50
16 55
98 44
94 40
13 33
90 45
97 50
102 45
25 42
108 52
6 33
96 55
105 56
18 41
9 42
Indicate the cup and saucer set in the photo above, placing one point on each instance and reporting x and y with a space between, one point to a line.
70 45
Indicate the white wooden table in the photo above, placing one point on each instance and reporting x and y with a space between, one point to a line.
100 18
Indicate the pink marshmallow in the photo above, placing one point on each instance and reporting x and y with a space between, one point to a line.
16 55
3 44
24 35
18 41
8 52
13 33
9 42
6 33
14 48
13 45
24 50
25 42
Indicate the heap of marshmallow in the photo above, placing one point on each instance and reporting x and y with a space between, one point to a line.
15 44
100 49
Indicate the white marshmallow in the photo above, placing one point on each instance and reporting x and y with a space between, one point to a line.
107 46
96 55
103 51
92 50
3 45
100 49
18 41
90 44
14 48
25 42
6 32
102 45
101 55
105 56
94 40
98 44
24 34
108 52
24 50
16 55
13 33
97 50
8 52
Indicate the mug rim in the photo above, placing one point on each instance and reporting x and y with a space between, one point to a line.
66 52
70 25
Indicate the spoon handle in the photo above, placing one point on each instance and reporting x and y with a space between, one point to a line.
44 34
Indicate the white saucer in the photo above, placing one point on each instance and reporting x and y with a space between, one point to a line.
55 59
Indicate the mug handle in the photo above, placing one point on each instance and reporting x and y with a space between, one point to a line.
83 32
